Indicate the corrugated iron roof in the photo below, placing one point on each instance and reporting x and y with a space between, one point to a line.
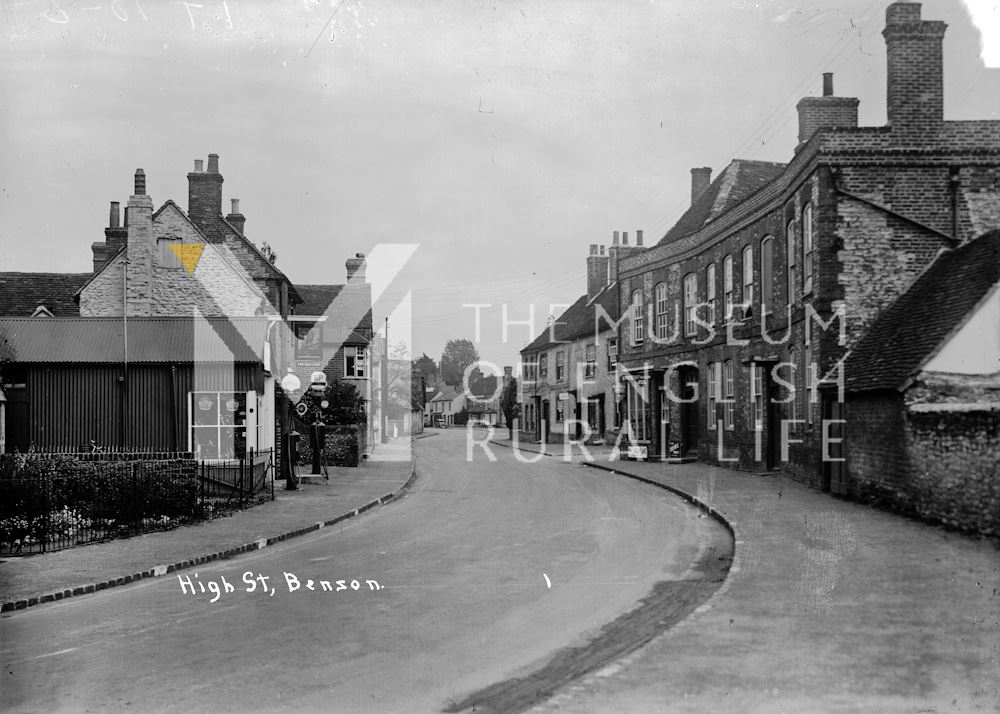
101 340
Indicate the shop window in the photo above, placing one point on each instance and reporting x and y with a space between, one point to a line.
217 424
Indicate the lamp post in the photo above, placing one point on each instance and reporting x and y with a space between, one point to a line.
289 383
318 388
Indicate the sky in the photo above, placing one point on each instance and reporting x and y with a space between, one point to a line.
501 138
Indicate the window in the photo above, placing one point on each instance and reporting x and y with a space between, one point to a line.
729 405
354 362
727 285
710 290
807 249
531 369
560 366
766 275
662 312
560 410
757 396
713 393
638 308
543 366
748 281
217 424
790 253
612 353
690 302
590 369
310 339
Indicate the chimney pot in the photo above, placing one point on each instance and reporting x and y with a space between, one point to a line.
624 237
198 166
235 204
615 240
140 182
114 219
602 250
828 84
593 248
213 163
638 238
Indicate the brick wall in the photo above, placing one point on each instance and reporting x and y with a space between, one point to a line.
938 461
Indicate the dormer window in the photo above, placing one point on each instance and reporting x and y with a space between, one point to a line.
41 311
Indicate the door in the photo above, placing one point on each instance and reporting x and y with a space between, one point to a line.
772 421
834 465
690 422
544 422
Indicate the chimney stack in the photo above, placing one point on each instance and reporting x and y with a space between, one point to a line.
235 218
701 178
914 72
356 269
617 251
597 270
205 195
828 111
141 248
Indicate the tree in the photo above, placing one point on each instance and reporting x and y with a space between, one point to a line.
427 367
457 355
344 404
509 406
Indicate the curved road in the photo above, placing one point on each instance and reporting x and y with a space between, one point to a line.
485 569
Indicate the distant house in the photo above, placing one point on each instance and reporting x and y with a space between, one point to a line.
448 402
567 387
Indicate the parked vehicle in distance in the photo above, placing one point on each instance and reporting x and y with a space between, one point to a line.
440 422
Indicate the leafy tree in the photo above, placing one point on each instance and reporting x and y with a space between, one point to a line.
427 367
457 355
345 405
509 406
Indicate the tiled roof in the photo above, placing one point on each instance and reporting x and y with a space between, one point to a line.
579 320
22 293
735 184
903 337
446 395
100 340
353 306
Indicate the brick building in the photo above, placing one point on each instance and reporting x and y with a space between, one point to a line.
567 387
777 270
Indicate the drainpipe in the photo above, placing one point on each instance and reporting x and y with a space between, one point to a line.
954 181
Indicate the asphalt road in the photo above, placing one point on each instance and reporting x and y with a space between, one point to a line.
480 575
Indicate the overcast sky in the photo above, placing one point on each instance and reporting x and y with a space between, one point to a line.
501 137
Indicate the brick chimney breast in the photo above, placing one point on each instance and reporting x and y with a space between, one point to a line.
701 179
235 218
205 196
355 269
141 248
828 111
598 267
914 72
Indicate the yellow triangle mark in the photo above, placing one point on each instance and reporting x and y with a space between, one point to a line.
188 254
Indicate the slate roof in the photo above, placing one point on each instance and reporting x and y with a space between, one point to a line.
738 181
219 230
446 395
100 340
907 333
578 320
22 293
351 319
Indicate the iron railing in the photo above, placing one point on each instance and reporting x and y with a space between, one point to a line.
54 501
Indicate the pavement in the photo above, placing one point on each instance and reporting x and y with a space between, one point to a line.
829 606
30 580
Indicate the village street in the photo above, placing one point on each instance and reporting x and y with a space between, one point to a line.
479 575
